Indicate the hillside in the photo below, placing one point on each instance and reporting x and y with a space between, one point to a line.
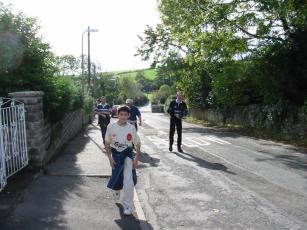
150 74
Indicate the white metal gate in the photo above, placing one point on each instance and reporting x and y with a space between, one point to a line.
13 140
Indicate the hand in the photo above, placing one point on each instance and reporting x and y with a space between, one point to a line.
135 163
112 162
140 123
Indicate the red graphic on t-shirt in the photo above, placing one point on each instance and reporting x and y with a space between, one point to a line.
129 136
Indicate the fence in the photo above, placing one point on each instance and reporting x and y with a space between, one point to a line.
13 141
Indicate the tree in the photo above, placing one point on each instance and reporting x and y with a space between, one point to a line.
68 65
25 60
144 83
26 63
209 35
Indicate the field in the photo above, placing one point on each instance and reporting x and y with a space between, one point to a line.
150 74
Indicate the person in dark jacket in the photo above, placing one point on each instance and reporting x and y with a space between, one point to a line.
119 138
134 114
177 110
103 109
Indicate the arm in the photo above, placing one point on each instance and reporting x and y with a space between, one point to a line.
140 117
108 148
140 121
185 108
137 155
170 109
137 144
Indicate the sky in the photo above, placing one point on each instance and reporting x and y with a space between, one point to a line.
118 22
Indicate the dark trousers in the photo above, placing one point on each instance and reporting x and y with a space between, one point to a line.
134 123
136 126
103 128
175 123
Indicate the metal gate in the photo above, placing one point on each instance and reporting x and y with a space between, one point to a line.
13 140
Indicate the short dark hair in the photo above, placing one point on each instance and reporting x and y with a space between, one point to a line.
123 108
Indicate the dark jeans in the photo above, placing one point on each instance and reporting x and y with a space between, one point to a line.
103 128
117 178
175 123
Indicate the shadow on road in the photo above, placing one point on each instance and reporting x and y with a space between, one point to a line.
130 222
203 163
147 159
291 161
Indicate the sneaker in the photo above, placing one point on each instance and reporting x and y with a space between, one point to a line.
180 150
170 148
127 211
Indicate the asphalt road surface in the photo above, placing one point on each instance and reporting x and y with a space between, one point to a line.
221 181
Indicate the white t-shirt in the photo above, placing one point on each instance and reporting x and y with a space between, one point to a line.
120 137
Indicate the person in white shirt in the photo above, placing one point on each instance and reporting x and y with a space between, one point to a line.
119 138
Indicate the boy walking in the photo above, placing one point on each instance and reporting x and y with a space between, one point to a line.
119 138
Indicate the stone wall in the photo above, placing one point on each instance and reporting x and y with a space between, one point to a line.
33 102
57 135
291 121
44 139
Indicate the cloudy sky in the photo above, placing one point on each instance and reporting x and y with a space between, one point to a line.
118 21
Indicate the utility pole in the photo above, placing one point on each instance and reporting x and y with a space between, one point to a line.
94 79
89 57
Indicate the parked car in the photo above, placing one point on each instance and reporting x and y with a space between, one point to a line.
114 110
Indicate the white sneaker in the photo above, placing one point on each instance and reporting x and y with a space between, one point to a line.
127 211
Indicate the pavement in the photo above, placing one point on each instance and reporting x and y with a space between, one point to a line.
71 193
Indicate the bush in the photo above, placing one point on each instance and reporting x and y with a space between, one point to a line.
88 103
61 96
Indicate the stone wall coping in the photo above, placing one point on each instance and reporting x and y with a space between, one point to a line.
26 94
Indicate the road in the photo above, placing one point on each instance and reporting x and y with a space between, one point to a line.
221 181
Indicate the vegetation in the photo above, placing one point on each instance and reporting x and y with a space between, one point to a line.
226 53
26 63
118 89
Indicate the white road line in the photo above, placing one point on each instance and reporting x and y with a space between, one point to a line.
161 133
163 144
139 212
189 145
157 141
215 139
199 142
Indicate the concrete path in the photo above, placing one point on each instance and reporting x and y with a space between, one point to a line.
72 193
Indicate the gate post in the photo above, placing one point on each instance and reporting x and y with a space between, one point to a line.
33 102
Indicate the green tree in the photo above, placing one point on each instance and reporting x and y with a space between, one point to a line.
210 36
68 65
26 63
25 60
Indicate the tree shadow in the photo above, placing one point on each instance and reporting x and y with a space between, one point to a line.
130 222
291 161
47 203
203 163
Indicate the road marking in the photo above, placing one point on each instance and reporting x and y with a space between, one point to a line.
161 133
191 142
163 144
157 141
215 139
139 212
189 145
198 141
